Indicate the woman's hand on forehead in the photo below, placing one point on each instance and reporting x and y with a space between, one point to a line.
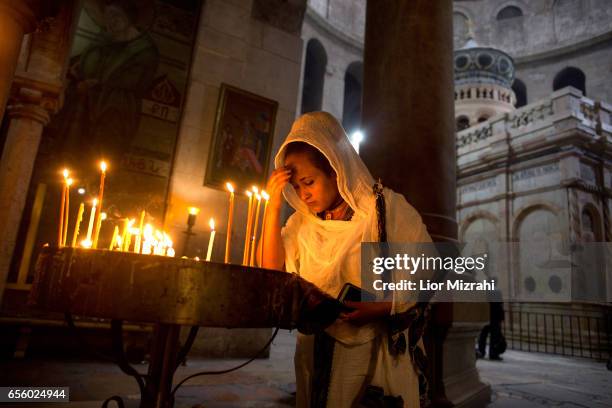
277 181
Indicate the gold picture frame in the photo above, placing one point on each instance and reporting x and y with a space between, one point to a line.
242 139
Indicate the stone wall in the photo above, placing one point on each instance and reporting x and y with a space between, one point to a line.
522 172
341 50
236 49
233 48
551 35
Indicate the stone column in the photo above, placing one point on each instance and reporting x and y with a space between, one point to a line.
22 140
16 19
408 121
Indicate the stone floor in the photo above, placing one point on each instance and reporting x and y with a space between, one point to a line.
521 380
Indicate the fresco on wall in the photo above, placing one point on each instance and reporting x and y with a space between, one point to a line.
125 85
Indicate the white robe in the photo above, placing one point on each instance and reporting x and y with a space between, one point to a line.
327 253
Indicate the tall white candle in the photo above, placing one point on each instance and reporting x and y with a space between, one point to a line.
92 215
211 240
230 218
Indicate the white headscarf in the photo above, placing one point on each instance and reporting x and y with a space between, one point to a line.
327 252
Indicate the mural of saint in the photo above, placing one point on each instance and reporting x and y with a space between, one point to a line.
107 83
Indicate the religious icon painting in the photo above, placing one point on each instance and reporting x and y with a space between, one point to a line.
242 139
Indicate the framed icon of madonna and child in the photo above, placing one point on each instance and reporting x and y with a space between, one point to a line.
242 139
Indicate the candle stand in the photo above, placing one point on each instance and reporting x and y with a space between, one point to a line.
170 293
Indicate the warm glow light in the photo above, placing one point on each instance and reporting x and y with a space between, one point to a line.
170 252
69 182
81 191
255 189
197 258
86 243
211 223
229 187
194 210
95 202
103 216
248 193
103 166
65 172
265 195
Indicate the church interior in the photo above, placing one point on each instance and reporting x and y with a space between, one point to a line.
137 137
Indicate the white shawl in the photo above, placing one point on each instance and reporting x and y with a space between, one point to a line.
327 252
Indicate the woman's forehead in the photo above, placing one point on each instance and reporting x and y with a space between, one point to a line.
300 163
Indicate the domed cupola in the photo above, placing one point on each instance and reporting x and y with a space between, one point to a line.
483 83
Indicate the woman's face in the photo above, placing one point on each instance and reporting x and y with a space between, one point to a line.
314 187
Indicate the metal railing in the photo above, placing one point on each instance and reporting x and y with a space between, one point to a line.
565 333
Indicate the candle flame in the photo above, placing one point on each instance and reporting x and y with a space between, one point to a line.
65 172
265 195
255 189
194 210
257 196
248 193
229 187
103 216
69 182
95 202
86 243
170 252
212 224
148 231
103 166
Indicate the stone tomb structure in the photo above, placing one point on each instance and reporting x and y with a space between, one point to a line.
539 178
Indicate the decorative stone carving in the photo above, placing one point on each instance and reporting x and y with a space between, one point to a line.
474 136
532 114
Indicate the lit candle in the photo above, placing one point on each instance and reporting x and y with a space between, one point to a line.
127 235
191 218
114 238
170 252
126 227
211 239
147 244
140 231
230 219
92 215
245 256
67 211
255 228
100 198
75 234
266 197
159 243
60 231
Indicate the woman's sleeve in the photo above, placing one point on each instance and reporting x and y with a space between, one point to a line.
289 236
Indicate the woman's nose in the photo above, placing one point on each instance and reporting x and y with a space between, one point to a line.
305 195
